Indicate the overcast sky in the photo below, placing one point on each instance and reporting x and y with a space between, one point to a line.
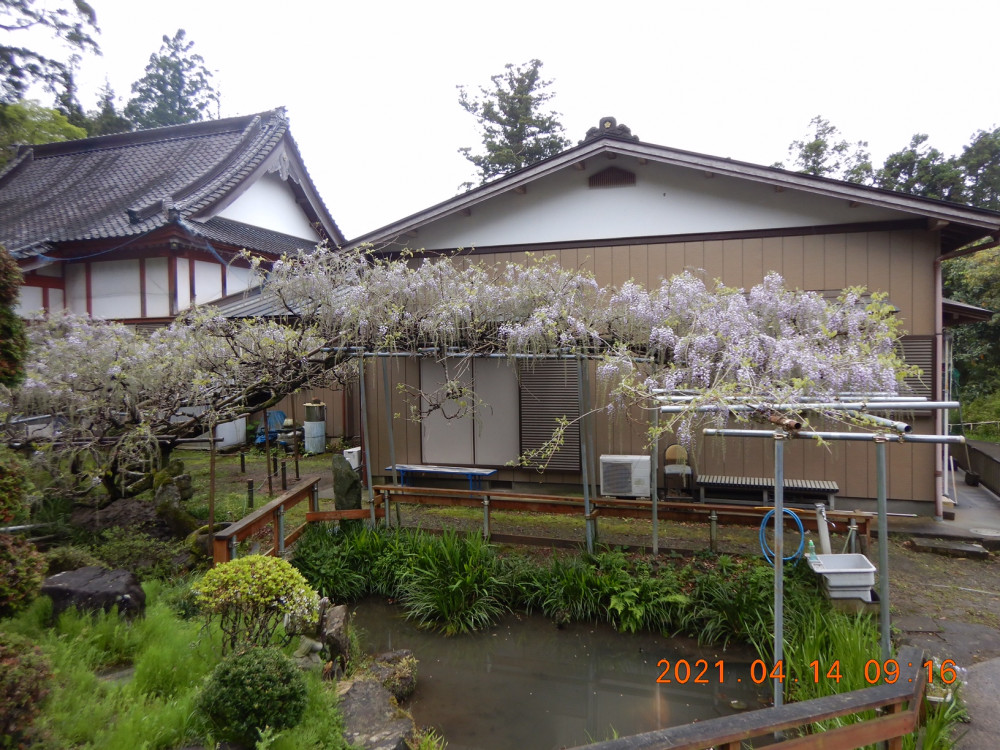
370 86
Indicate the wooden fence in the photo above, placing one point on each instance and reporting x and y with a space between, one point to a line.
900 709
224 542
491 500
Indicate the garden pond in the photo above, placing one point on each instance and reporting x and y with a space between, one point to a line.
525 683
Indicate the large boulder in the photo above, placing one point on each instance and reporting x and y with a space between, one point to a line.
346 485
93 589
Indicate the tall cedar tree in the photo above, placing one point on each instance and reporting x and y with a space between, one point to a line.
176 89
515 130
21 67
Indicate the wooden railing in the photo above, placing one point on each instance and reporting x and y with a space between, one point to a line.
491 500
900 705
224 542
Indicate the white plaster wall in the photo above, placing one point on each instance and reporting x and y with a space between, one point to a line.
237 279
114 289
183 285
29 301
270 203
76 288
665 200
157 288
207 282
56 301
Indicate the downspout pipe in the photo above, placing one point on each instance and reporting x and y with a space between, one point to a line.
938 380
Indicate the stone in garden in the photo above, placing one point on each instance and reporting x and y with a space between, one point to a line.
397 672
333 634
346 485
94 589
371 719
184 486
307 656
169 510
199 541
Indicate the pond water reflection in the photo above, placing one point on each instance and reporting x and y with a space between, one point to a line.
524 684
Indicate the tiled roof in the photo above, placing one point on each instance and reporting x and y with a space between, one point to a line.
238 234
129 184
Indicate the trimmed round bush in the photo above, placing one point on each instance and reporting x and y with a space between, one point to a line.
250 690
24 677
22 568
251 596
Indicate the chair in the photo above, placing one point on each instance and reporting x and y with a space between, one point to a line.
675 462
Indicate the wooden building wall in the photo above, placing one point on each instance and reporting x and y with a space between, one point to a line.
897 262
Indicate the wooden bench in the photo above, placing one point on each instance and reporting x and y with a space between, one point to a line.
473 474
765 485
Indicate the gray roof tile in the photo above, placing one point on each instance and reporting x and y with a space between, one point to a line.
129 184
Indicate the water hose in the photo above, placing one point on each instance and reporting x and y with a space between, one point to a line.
768 552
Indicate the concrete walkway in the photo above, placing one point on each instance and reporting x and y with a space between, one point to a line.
977 520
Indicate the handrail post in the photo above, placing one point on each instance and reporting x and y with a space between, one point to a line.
279 531
314 496
486 517
779 559
231 548
883 546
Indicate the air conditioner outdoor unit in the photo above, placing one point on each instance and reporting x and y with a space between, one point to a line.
625 476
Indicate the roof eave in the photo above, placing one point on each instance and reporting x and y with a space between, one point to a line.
939 211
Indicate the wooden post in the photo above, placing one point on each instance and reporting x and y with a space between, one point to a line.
211 478
267 456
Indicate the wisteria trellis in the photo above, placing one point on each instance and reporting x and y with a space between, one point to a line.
767 344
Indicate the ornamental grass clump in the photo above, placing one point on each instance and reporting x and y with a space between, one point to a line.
252 596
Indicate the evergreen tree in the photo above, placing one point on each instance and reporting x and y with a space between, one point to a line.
922 170
176 88
515 130
106 119
823 155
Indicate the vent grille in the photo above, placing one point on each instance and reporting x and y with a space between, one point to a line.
549 392
611 177
919 351
616 477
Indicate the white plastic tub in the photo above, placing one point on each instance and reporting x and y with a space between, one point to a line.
845 576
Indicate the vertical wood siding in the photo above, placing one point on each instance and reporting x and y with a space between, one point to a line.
898 263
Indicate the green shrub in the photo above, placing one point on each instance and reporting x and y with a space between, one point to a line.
24 676
984 413
250 690
252 595
13 485
149 558
22 569
61 559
